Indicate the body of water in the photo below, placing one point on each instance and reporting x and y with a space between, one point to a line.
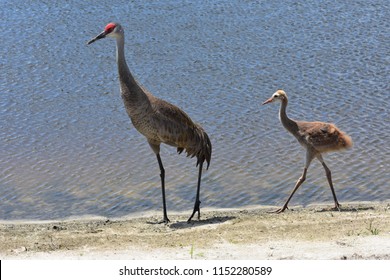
68 148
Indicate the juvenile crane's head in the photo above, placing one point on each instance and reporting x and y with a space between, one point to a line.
279 95
112 30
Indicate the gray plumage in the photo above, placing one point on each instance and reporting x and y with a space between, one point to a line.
158 120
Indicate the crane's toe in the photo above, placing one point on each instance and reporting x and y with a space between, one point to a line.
337 207
280 210
196 209
165 221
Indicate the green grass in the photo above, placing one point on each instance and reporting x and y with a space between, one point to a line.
373 230
192 253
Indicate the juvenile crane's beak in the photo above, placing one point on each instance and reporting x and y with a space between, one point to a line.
100 36
268 101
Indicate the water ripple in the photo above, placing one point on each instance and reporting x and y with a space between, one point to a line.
68 148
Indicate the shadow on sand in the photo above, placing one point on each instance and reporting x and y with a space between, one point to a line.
202 222
346 209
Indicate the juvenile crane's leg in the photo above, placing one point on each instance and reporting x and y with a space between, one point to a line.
309 158
197 201
297 185
329 177
162 175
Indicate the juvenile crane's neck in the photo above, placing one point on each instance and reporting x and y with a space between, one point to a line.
132 93
288 123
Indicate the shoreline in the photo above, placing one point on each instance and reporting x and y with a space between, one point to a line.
360 231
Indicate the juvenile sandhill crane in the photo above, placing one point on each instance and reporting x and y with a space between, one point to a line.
315 137
158 120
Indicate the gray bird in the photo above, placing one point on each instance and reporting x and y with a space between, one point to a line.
158 120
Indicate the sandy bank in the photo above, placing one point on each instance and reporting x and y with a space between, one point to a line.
359 231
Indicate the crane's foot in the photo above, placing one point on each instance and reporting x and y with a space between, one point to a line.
159 222
165 220
196 209
337 207
280 210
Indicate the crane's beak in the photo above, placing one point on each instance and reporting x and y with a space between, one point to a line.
100 36
268 101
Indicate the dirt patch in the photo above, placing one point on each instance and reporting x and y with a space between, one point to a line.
359 231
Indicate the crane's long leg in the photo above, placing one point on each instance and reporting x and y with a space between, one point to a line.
297 185
162 175
309 158
197 201
329 177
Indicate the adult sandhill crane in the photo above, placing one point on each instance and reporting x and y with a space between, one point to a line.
158 120
315 137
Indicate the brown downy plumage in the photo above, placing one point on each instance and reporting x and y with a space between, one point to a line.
315 137
324 137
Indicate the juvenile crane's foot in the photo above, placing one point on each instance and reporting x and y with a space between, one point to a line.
196 209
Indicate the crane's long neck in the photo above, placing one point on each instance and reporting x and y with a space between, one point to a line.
288 123
132 93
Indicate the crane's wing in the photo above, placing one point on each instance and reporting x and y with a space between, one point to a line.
321 136
176 128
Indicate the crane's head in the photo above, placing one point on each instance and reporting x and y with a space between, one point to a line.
111 30
279 95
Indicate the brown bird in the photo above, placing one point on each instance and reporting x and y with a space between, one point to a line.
315 137
158 120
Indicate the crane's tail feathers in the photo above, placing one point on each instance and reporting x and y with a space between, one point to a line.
206 150
200 147
345 141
